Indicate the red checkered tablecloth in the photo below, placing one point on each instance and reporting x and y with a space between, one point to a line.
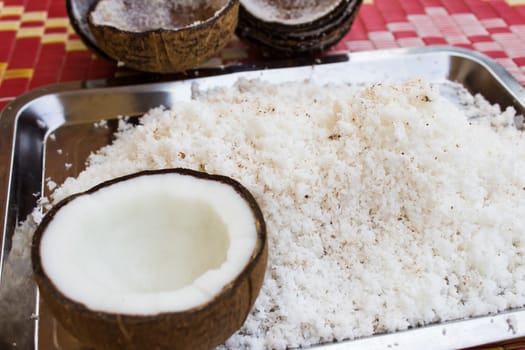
38 45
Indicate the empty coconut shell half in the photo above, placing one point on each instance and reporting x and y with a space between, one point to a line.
162 36
168 259
295 27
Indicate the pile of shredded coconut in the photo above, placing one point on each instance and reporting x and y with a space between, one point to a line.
387 208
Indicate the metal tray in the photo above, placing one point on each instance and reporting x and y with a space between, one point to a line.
49 132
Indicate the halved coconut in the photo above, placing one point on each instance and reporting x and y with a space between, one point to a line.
170 259
163 36
295 27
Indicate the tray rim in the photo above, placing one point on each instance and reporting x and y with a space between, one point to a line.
408 338
496 70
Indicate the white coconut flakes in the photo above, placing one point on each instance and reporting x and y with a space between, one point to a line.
386 208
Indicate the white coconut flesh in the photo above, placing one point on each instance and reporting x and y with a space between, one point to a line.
140 16
150 244
290 12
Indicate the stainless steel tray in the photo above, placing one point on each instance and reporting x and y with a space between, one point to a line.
51 127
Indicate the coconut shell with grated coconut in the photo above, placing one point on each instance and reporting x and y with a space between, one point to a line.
151 319
192 32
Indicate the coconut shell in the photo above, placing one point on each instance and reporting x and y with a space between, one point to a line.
289 40
168 50
203 327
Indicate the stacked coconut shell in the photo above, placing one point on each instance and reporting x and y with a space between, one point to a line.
295 28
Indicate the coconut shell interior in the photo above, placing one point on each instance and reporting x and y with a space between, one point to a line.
203 327
294 14
142 16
